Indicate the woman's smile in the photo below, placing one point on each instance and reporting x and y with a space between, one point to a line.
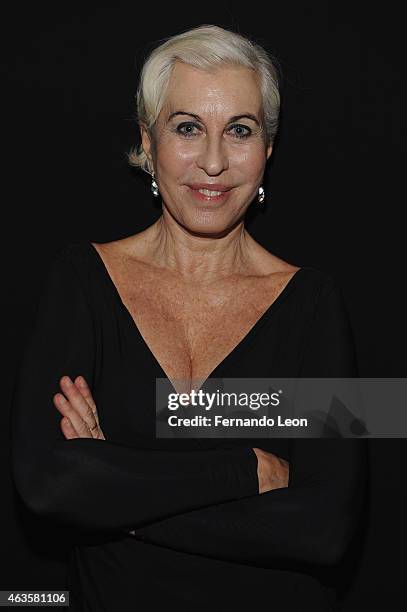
209 192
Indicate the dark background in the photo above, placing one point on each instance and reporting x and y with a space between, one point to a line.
335 194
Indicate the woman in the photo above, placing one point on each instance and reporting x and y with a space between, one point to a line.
189 524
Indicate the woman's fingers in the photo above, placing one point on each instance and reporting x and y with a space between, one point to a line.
78 408
272 471
73 405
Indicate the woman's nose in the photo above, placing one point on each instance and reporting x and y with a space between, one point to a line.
213 156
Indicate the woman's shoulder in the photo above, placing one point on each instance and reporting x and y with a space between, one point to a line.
81 261
310 275
88 251
73 251
131 248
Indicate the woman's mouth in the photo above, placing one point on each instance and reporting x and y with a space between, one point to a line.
209 195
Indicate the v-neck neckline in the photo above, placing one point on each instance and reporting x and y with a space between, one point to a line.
233 353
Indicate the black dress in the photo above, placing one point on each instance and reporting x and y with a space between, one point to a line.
204 539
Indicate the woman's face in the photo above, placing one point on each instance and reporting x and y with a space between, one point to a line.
208 149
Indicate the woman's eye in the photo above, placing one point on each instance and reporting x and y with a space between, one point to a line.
187 129
240 131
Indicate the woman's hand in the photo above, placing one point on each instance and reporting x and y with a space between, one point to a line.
272 471
78 408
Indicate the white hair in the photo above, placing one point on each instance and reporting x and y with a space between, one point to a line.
205 47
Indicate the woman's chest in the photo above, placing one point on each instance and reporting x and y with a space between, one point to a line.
189 333
129 374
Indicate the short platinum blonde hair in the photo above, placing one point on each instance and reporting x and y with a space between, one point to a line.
206 47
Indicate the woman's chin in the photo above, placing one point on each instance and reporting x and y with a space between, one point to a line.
208 223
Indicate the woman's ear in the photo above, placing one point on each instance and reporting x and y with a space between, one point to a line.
269 150
146 142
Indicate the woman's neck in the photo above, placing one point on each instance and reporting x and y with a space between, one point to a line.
199 258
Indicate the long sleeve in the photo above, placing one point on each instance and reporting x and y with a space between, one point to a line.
97 484
313 519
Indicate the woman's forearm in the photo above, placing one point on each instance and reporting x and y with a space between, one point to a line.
311 521
96 484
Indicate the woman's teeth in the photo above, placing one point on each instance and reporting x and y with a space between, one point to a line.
209 193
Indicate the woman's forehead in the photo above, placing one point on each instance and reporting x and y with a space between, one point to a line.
227 89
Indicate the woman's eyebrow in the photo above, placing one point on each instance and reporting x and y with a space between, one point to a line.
231 120
244 116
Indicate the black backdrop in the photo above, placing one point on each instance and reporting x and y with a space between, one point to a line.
335 196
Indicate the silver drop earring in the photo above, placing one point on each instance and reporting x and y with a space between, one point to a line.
261 195
154 186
